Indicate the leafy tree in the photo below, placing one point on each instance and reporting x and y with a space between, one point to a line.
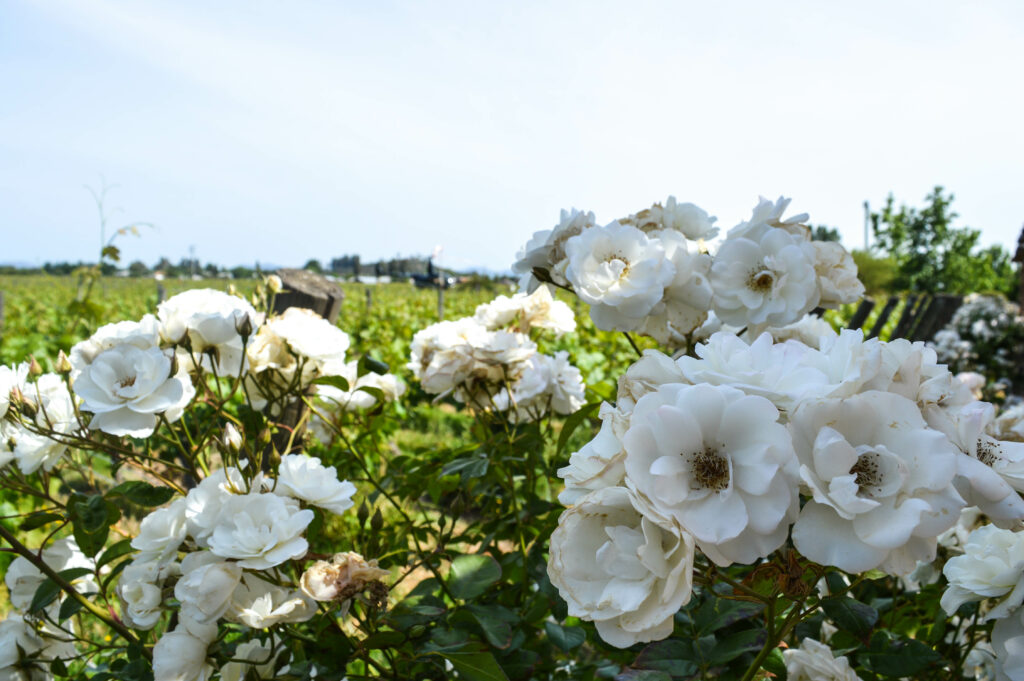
138 269
313 266
933 256
824 233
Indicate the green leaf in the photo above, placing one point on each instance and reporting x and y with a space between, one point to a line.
384 639
731 647
496 623
673 656
573 422
566 638
471 575
371 364
716 613
69 608
850 615
44 595
776 664
338 382
473 466
114 552
642 675
476 666
142 493
90 513
37 520
898 658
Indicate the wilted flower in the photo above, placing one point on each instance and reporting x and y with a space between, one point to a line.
621 570
346 575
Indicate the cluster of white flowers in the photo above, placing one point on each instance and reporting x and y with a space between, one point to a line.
45 404
986 335
489 362
235 532
653 272
30 643
861 452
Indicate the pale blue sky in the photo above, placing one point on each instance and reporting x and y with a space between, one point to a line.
281 131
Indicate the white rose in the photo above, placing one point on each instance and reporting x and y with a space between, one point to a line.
809 330
140 588
260 530
442 354
992 567
205 586
687 297
1008 644
688 219
524 312
127 388
546 249
258 656
837 274
10 378
55 410
355 398
767 214
877 501
180 656
259 604
16 633
767 279
303 477
311 336
203 502
23 578
143 334
1010 424
716 461
211 320
161 533
645 375
597 465
779 372
566 384
619 272
621 570
814 661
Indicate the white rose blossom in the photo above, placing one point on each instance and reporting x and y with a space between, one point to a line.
143 334
992 566
538 310
619 569
717 461
203 503
180 656
259 657
687 297
23 578
1008 645
837 274
597 465
55 410
127 389
205 586
815 661
161 533
546 250
880 481
304 478
140 588
259 604
619 272
260 530
206 324
688 219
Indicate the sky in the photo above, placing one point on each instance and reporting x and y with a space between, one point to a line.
283 131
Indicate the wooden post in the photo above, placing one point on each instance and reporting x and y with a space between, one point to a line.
369 300
440 300
883 316
161 293
861 315
302 288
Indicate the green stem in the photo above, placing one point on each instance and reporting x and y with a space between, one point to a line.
71 591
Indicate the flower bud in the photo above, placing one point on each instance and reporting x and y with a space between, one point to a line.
34 370
63 363
274 283
232 439
243 325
